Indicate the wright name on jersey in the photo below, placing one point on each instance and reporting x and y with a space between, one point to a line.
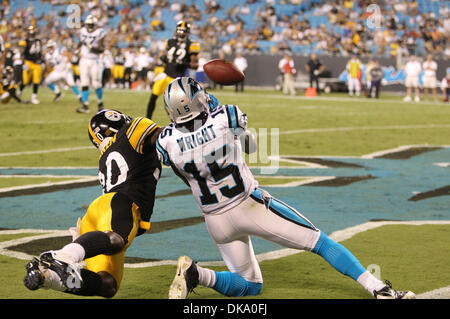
210 159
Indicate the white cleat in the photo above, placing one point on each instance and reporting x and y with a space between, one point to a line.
186 278
389 293
35 101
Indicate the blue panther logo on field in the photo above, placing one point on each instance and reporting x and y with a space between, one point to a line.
363 189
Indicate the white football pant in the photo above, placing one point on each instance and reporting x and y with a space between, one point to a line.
91 73
271 220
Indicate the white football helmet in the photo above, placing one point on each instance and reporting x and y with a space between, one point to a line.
91 23
185 99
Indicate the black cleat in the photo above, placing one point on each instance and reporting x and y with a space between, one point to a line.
34 278
100 106
186 278
389 293
83 109
69 274
58 97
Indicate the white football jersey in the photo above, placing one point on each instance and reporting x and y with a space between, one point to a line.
90 39
210 160
57 60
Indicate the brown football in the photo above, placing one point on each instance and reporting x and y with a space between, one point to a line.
223 72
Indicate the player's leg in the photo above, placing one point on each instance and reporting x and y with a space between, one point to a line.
244 277
158 89
51 81
107 229
36 76
84 66
96 76
70 81
282 224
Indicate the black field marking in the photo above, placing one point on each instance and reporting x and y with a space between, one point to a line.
38 246
47 189
320 161
442 191
341 181
406 154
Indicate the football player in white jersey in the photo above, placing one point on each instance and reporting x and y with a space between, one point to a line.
91 66
61 71
204 149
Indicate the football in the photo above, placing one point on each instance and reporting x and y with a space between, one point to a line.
223 72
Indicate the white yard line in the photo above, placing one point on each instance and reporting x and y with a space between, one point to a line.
54 150
364 128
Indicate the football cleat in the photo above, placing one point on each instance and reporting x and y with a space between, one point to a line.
68 273
58 97
389 293
186 278
34 100
83 109
34 278
100 106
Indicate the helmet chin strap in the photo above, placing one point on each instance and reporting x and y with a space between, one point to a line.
103 144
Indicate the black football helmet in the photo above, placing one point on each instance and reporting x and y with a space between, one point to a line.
183 29
31 32
105 124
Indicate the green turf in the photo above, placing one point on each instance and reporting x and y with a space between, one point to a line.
300 276
410 256
21 181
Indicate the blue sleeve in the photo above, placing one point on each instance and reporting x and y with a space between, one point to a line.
213 102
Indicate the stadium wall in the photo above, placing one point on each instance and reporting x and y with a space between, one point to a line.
263 69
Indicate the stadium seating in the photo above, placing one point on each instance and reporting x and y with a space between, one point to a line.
306 10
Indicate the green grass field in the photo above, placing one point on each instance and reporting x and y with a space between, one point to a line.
332 125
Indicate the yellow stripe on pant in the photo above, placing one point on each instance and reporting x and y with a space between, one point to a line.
98 218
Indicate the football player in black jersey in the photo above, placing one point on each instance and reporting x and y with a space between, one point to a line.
181 54
129 170
32 70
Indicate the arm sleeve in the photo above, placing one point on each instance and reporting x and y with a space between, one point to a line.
236 118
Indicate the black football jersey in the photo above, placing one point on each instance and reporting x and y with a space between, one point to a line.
178 54
126 166
33 51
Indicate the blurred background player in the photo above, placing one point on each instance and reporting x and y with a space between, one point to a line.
130 58
32 69
60 71
92 45
376 75
445 86
242 64
75 64
287 68
412 71
108 63
354 75
314 68
118 69
181 54
143 64
429 77
8 88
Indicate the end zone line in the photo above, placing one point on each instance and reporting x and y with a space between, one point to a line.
55 150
